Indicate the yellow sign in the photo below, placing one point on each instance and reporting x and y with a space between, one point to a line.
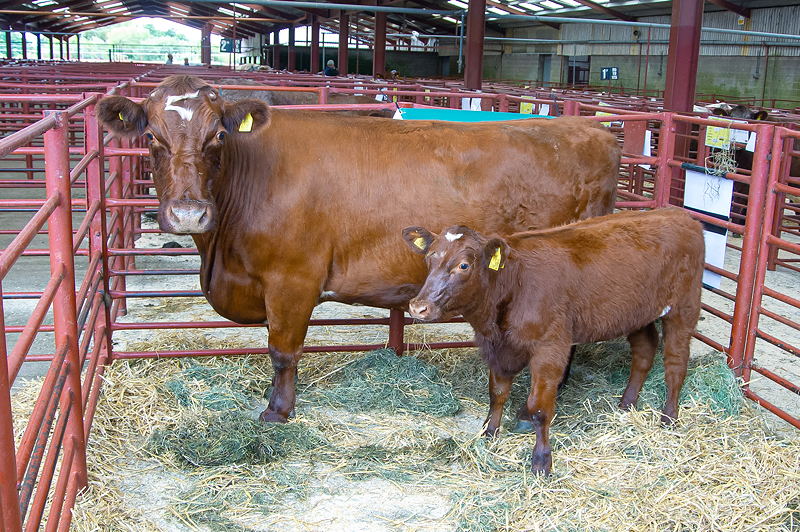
603 113
718 137
526 108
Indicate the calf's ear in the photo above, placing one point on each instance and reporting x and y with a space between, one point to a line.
245 116
761 115
121 116
495 253
418 239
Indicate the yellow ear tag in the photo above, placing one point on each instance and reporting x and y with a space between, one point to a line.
121 117
494 264
247 124
419 242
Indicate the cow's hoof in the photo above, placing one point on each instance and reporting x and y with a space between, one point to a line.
523 426
668 420
268 416
541 463
625 405
491 432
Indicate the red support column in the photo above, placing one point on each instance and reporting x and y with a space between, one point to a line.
314 45
379 50
61 47
276 52
65 321
9 54
205 44
476 26
344 37
24 44
291 61
684 49
66 40
9 501
396 331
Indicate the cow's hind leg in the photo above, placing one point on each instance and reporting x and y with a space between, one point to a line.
677 337
644 343
288 324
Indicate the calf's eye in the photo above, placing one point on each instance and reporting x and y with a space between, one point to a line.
463 265
221 136
149 136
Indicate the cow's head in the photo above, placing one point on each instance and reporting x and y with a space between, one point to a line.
187 126
461 264
742 111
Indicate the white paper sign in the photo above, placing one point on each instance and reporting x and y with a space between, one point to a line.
739 135
715 255
751 142
471 104
708 193
544 109
647 150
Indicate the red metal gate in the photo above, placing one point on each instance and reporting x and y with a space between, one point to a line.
52 447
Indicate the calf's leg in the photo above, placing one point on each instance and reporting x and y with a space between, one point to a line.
547 368
677 336
288 324
499 388
644 344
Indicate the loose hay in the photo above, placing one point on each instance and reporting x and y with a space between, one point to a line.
174 447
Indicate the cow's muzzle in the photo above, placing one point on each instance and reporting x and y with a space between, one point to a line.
187 216
424 310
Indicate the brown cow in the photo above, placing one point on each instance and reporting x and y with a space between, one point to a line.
531 296
291 208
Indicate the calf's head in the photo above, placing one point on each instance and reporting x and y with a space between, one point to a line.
461 264
187 126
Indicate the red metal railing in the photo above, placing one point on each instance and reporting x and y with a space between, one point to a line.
48 460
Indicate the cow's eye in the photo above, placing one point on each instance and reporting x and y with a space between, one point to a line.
149 136
221 136
463 266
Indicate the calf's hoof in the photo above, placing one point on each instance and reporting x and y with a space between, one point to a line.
541 463
270 416
523 426
625 405
491 432
668 420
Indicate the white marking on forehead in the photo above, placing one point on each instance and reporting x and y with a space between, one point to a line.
185 113
451 237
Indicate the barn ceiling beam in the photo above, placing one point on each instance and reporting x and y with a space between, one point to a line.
730 6
608 11
512 9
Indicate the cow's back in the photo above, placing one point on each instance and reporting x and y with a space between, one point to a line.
341 189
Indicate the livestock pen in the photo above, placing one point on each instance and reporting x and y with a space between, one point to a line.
356 419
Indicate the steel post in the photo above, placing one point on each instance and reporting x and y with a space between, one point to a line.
314 66
9 501
205 44
291 60
379 48
476 27
344 38
684 50
396 331
743 306
59 228
98 232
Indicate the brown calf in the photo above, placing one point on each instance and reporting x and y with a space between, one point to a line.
533 295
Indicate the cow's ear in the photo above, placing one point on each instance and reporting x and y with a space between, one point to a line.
495 254
418 239
718 111
761 115
122 116
245 116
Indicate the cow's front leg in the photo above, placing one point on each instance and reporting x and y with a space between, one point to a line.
547 368
288 323
499 388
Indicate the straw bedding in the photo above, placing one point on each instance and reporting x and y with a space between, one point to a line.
387 443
